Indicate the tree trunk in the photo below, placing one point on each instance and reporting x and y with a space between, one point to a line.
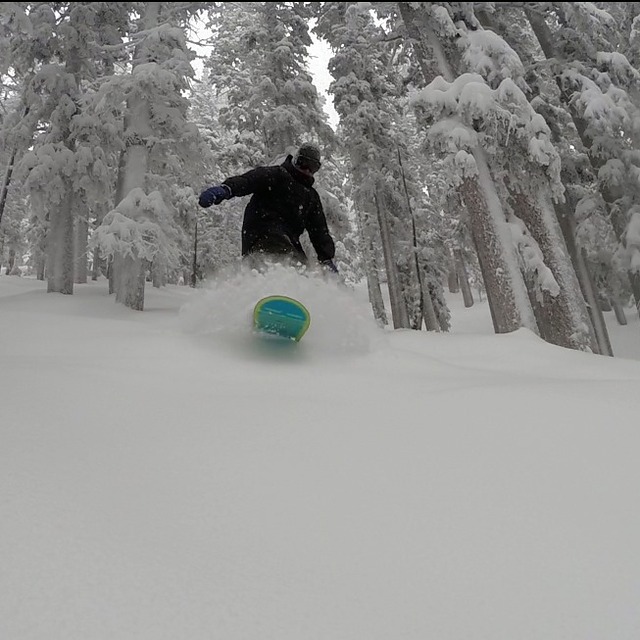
99 263
40 269
158 274
428 310
619 312
95 267
399 313
5 184
371 268
60 243
463 279
81 250
375 297
132 163
132 171
564 320
111 274
11 261
566 219
60 246
129 281
194 266
452 278
411 294
507 294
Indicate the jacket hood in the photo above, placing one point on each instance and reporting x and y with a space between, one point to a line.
298 176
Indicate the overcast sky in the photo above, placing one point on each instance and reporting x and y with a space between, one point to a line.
320 54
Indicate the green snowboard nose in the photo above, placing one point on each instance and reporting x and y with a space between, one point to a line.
281 316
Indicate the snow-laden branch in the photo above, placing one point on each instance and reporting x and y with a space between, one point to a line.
531 257
490 56
133 228
468 113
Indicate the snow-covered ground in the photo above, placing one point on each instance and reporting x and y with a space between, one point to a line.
165 475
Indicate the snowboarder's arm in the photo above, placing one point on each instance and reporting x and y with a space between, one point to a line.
319 232
254 180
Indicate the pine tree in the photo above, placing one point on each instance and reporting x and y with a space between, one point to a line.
450 124
56 51
141 232
367 100
575 174
259 68
598 85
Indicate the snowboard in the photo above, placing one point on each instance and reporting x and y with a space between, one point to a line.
281 317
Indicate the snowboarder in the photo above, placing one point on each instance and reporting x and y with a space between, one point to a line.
283 205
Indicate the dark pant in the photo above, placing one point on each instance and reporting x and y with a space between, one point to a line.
275 248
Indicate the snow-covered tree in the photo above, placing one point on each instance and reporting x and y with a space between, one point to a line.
528 165
259 67
141 231
52 47
577 178
448 113
216 234
520 162
420 179
599 87
57 50
366 96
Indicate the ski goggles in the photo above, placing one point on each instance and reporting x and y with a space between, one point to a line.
307 164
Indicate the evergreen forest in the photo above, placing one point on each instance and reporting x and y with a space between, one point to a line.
491 148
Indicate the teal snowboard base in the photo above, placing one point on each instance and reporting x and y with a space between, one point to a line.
281 317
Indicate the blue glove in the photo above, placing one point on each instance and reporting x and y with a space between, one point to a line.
214 195
329 265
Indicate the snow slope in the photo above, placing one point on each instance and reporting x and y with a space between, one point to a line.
164 475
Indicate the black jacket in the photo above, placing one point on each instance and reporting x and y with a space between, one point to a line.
284 204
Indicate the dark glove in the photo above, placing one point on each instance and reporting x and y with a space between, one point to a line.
329 265
214 195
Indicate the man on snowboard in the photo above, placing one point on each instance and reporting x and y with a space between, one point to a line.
284 204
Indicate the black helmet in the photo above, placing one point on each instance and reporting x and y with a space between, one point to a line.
308 157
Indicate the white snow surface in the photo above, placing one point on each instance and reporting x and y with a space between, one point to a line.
165 475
